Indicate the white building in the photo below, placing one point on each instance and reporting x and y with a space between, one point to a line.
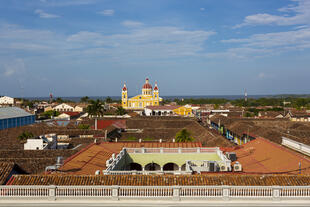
36 144
63 116
63 107
5 100
47 141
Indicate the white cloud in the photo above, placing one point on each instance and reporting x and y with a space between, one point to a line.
295 39
300 10
266 45
202 9
45 15
107 12
129 23
141 43
261 75
62 3
14 67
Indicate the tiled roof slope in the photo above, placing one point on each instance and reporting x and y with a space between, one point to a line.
264 156
93 157
161 180
5 171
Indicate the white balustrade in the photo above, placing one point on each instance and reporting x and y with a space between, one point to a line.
251 191
156 192
174 150
194 191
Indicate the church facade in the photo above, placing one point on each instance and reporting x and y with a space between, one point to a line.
149 97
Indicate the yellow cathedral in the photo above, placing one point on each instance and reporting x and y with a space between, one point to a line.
149 97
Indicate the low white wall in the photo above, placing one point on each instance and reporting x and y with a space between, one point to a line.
305 149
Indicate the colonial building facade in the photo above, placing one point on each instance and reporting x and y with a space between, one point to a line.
149 97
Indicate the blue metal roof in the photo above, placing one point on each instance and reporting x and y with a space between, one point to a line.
12 112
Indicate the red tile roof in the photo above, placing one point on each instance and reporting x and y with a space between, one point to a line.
102 124
264 156
71 113
162 180
5 171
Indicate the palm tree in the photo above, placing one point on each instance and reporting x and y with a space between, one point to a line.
183 136
25 135
95 108
120 111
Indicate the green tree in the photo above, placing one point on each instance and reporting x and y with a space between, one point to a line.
95 108
120 111
85 99
84 126
25 135
183 136
108 99
51 113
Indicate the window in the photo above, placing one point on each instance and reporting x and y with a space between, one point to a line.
124 102
124 96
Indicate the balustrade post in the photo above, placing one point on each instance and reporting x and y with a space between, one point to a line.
179 150
198 149
115 195
161 150
226 192
52 192
176 193
276 193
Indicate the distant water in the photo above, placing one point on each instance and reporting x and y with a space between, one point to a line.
228 97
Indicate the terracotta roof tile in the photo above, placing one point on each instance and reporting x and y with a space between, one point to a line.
264 156
162 180
5 171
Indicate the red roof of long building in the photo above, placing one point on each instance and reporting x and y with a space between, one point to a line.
94 156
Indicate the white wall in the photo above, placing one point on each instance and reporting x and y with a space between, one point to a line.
148 112
34 144
63 107
305 149
6 100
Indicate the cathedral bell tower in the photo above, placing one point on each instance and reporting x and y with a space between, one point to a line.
156 95
124 97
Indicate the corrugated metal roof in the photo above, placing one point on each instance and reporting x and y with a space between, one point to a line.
12 112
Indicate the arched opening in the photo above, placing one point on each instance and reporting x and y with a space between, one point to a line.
183 167
135 166
170 167
152 167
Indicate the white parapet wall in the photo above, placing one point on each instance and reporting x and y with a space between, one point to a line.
224 195
298 146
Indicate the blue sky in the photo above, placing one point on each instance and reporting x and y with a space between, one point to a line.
190 47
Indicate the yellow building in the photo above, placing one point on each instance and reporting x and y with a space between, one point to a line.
183 111
149 97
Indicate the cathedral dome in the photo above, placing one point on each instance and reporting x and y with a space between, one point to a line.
147 85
